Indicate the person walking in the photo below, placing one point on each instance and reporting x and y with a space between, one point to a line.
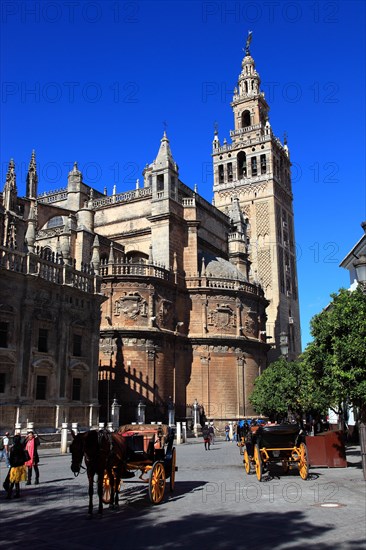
206 437
31 444
227 432
17 472
211 431
4 449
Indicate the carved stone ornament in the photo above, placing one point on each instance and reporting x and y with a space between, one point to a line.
166 313
222 316
131 305
250 323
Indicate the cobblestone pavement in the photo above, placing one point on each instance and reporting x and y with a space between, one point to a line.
215 505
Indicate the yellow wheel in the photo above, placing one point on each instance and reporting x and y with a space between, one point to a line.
157 483
303 462
106 498
258 462
246 461
172 475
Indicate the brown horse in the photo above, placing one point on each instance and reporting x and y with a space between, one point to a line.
103 452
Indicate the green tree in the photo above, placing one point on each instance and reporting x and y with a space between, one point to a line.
337 355
286 389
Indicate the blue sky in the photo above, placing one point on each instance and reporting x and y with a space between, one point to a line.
95 81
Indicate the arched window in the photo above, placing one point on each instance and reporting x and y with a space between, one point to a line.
241 162
245 119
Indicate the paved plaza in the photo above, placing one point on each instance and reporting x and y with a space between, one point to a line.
214 505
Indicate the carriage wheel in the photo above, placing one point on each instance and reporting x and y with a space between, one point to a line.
258 462
172 474
157 483
246 462
303 462
106 498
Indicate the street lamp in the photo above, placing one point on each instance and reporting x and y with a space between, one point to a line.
360 267
284 344
141 407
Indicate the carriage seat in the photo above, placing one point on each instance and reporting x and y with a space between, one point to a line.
278 435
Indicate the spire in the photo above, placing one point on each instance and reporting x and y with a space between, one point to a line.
32 178
249 80
10 188
216 141
165 156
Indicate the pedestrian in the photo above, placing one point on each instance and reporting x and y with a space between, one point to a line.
211 431
4 449
206 437
235 436
31 444
18 471
227 432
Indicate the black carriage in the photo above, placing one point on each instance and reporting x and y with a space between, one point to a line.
275 443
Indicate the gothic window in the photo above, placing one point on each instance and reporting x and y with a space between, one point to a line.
76 389
221 173
4 328
2 382
160 182
241 161
252 84
57 221
230 171
245 119
43 340
254 166
41 387
263 164
76 345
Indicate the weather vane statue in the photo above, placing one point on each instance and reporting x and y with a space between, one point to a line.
249 39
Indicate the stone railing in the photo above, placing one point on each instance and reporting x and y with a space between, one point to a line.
53 196
50 267
128 196
207 281
120 269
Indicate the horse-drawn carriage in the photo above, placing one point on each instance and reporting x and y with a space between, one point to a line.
274 443
116 456
150 451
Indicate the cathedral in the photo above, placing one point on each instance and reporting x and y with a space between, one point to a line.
153 296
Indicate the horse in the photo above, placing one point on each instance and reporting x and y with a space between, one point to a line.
103 452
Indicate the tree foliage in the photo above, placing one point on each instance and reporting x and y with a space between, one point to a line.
285 387
337 355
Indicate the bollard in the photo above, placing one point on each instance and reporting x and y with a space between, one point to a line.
64 429
184 432
231 430
30 426
101 425
75 427
110 426
178 435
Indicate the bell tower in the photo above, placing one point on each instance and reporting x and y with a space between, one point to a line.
255 170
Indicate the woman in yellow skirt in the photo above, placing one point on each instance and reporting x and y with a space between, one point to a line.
18 472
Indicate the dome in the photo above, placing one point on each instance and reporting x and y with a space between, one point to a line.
220 268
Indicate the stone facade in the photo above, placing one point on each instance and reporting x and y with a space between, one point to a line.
49 318
183 314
